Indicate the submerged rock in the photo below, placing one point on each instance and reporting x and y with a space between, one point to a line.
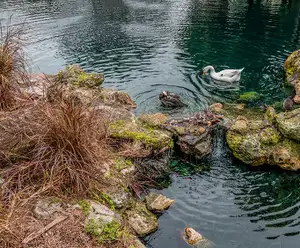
248 97
141 220
292 73
158 202
195 239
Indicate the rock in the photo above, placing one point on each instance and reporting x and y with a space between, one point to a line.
99 212
76 76
193 134
248 97
47 208
151 138
270 115
292 73
119 197
153 120
288 104
138 244
261 143
116 98
289 124
240 125
141 220
195 239
216 107
158 202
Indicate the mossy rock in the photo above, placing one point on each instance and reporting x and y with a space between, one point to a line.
292 68
289 124
76 76
260 142
248 97
141 220
153 120
136 132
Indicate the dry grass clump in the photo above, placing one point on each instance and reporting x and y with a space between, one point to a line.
13 70
58 146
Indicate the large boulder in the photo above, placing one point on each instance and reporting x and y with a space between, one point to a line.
292 72
259 142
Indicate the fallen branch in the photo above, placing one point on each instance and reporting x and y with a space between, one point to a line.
34 235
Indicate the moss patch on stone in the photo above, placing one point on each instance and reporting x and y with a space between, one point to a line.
151 138
249 97
85 206
76 76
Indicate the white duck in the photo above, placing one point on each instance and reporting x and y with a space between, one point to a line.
229 75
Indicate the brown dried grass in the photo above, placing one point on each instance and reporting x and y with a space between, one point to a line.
57 146
13 68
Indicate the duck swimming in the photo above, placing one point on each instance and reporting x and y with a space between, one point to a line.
228 75
170 100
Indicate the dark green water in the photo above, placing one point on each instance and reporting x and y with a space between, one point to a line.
145 46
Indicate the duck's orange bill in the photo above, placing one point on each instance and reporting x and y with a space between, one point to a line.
203 73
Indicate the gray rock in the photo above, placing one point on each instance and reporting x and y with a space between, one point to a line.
289 124
99 212
141 220
47 208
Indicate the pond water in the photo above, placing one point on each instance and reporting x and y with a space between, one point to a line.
146 46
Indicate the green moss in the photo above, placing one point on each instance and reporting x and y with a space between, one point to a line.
85 205
269 136
104 198
121 164
104 232
249 97
108 233
292 146
150 137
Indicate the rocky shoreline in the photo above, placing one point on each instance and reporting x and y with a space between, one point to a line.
255 136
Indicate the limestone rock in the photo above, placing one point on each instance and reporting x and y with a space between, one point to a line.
141 220
99 212
158 202
151 138
154 120
47 208
260 142
194 238
289 124
76 76
292 72
119 197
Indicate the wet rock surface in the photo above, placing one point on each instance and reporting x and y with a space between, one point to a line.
195 239
158 202
271 139
193 134
292 72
